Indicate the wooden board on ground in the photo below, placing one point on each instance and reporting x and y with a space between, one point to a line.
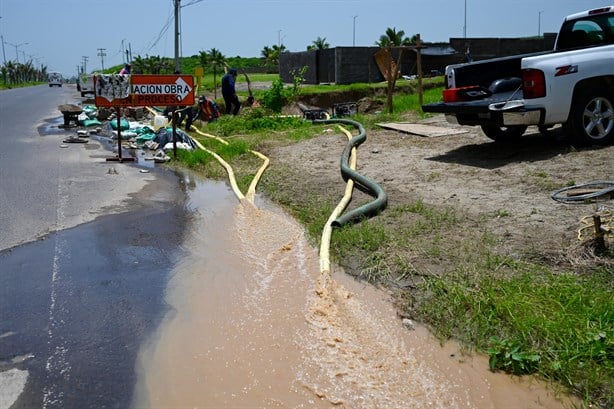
421 129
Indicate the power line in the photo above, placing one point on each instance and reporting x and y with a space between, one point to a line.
192 3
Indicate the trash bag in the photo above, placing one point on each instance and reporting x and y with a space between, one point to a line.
165 135
124 124
91 122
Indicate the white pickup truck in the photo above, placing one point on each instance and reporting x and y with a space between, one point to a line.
572 85
85 84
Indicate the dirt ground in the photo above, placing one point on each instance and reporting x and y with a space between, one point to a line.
505 189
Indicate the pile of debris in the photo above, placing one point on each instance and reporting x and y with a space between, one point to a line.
137 130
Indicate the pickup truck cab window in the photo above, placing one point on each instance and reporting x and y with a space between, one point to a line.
591 31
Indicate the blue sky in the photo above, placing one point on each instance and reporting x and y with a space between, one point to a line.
59 33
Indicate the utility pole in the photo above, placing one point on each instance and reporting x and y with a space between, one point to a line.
102 54
3 54
177 10
85 58
465 25
17 50
354 32
539 23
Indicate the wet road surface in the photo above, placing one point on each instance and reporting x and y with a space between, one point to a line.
77 305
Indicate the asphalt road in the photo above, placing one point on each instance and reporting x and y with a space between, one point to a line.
86 247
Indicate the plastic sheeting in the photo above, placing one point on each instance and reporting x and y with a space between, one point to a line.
165 136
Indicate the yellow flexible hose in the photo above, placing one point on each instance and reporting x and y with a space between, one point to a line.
251 191
322 284
324 279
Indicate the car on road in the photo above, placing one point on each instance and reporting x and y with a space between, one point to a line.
55 79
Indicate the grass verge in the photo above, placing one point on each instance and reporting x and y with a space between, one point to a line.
530 315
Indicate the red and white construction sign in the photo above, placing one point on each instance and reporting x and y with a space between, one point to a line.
162 90
144 90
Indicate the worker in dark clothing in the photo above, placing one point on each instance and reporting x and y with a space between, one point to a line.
229 92
188 113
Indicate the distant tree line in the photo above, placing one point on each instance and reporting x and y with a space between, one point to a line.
15 73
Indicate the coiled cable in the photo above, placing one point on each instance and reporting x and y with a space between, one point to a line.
585 193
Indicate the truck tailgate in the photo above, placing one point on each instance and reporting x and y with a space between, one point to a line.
477 106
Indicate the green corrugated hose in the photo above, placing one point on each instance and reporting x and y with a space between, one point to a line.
363 183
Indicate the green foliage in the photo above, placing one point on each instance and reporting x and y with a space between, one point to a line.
318 44
271 54
298 78
369 237
393 38
149 65
410 102
195 158
276 97
530 320
254 121
508 356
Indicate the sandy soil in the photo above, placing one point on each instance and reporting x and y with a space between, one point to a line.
505 189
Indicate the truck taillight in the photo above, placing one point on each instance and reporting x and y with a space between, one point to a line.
533 83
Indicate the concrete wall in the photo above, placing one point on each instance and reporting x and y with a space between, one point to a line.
484 48
348 65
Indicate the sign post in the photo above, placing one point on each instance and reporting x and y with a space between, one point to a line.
164 90
113 90
119 91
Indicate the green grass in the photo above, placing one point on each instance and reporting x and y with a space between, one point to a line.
257 121
410 102
558 325
19 85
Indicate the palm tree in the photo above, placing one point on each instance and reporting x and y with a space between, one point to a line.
158 65
318 44
151 65
393 38
271 54
5 72
11 72
277 50
216 59
267 53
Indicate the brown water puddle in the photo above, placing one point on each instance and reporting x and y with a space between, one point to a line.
249 331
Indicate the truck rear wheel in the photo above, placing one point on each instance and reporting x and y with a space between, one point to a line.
592 118
503 133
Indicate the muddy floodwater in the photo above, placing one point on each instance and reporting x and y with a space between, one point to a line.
248 330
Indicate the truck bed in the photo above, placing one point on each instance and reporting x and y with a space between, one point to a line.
484 72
